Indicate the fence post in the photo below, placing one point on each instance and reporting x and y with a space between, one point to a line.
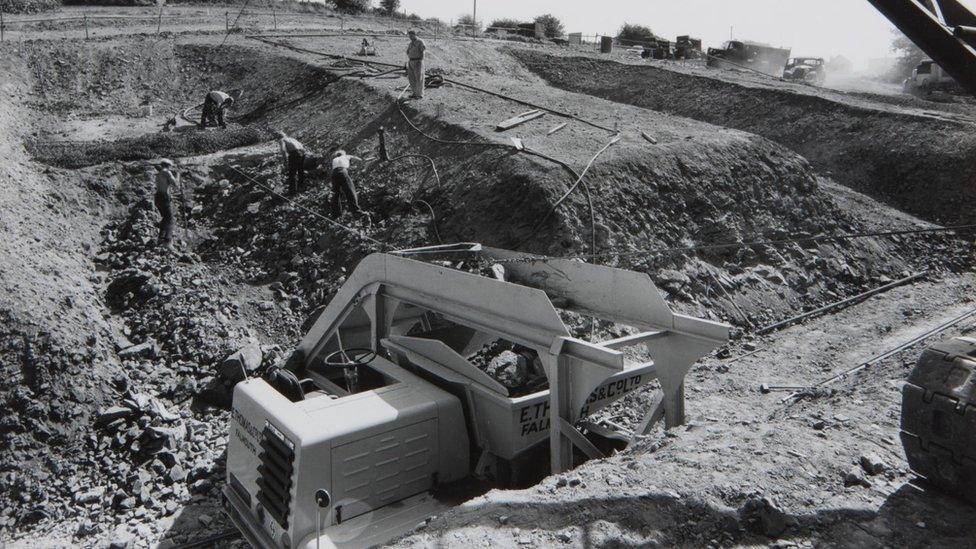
227 21
86 26
274 14
1 23
159 22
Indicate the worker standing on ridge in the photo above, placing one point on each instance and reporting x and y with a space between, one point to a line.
293 155
214 106
342 183
415 64
166 177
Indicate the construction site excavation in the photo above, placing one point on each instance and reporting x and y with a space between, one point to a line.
290 276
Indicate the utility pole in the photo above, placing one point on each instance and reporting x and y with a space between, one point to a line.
474 14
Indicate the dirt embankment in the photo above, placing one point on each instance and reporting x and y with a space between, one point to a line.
56 347
923 164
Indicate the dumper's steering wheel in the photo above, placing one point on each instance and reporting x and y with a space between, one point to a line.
350 358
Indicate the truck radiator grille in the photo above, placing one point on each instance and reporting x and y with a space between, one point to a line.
274 474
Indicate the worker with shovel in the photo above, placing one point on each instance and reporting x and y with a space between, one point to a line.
342 183
415 65
166 177
293 156
214 106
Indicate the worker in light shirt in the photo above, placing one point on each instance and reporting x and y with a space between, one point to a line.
214 105
293 158
342 183
415 65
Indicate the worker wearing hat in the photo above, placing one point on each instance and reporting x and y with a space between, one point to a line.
214 105
415 65
293 156
342 183
166 178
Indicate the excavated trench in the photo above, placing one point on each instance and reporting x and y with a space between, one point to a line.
920 162
729 186
257 266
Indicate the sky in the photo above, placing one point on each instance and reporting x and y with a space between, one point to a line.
821 28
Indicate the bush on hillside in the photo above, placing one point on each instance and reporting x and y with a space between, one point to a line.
434 22
353 6
467 22
635 33
28 6
909 56
504 23
389 7
552 27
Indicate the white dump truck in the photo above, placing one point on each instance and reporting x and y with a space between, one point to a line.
382 409
927 78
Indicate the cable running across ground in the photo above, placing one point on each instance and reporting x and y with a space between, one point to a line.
579 180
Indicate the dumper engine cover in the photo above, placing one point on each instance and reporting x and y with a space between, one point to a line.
938 420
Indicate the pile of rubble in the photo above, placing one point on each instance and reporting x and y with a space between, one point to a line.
187 337
33 423
156 459
172 301
182 347
265 239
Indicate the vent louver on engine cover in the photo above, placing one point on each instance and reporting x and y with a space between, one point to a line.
274 474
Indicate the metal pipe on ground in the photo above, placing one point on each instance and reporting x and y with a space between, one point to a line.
874 360
455 82
842 303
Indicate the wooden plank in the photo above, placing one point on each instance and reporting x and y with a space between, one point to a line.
569 431
557 128
518 120
649 138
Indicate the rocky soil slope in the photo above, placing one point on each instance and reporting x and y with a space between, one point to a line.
897 155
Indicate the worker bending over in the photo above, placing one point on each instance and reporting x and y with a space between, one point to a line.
293 156
214 106
166 177
342 183
415 65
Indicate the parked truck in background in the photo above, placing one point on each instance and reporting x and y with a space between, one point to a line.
686 47
749 55
811 70
927 78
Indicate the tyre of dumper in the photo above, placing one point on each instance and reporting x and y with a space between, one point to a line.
938 418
